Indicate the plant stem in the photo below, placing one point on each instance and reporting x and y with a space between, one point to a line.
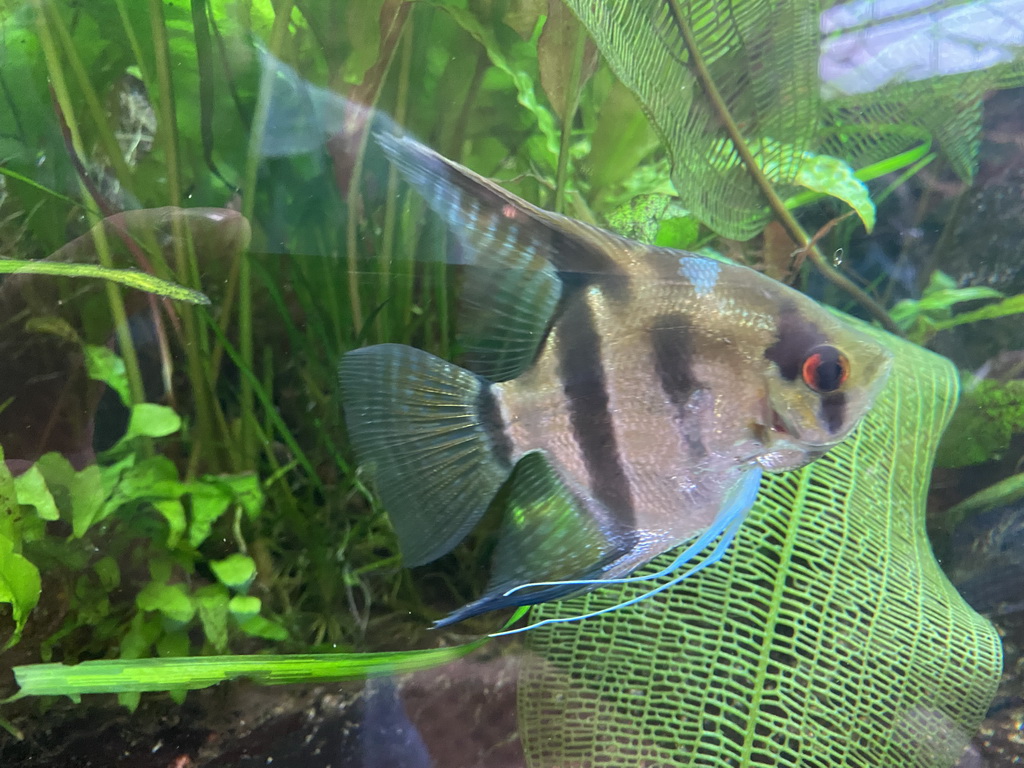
114 298
775 203
568 116
386 260
246 399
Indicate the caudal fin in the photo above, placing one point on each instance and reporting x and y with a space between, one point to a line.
427 433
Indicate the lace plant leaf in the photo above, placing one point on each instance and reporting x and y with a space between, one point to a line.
827 636
699 65
916 63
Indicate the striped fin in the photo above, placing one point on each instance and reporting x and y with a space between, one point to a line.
429 434
481 213
504 315
547 533
510 288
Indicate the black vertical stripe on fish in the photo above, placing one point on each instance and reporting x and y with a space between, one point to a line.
494 425
833 411
581 371
582 263
673 350
795 337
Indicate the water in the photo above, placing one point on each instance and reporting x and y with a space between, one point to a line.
184 487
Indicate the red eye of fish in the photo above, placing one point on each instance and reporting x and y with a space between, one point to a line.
826 369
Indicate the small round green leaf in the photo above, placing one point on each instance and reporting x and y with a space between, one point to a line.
235 571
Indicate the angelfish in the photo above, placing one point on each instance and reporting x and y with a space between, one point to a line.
618 399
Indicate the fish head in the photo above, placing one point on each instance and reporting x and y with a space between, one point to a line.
823 375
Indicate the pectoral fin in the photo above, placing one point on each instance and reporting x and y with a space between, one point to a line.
548 534
693 559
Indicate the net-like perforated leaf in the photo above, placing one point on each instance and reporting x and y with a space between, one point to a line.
761 56
826 637
862 80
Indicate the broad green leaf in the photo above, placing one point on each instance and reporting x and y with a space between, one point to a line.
235 571
208 503
622 139
244 607
151 420
244 488
9 511
129 700
566 57
258 626
173 511
109 573
160 569
152 479
94 502
362 28
137 642
832 176
20 587
103 364
54 326
174 644
211 604
31 488
170 600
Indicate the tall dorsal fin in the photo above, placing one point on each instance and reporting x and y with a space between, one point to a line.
515 255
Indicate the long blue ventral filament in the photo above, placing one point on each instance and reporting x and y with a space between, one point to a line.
724 528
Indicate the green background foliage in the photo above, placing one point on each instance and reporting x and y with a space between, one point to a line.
223 513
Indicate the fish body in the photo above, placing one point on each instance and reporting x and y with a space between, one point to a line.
618 399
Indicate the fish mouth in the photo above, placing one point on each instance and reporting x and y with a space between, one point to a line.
777 423
782 435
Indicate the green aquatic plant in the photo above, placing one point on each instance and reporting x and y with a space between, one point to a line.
126 277
135 535
827 636
740 100
990 415
746 113
257 456
920 319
